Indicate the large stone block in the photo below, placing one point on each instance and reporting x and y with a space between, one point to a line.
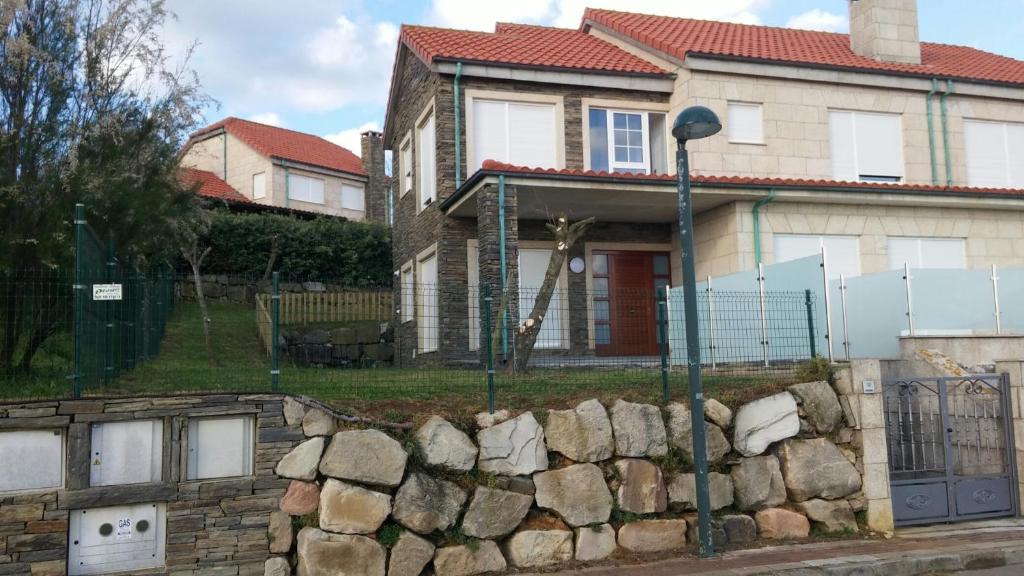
595 542
739 528
316 422
277 566
583 434
493 513
819 404
350 509
653 535
781 524
280 533
410 555
834 516
367 456
680 434
718 413
760 423
515 447
302 462
424 504
816 468
639 430
323 554
445 445
534 548
578 494
683 490
301 498
469 560
758 483
641 487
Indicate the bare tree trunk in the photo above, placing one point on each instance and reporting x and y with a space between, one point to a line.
195 260
566 236
275 251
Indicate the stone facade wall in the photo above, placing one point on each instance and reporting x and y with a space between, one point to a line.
216 526
885 30
584 485
377 184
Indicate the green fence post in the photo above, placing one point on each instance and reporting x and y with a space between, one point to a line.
108 313
78 293
663 337
488 299
809 302
275 326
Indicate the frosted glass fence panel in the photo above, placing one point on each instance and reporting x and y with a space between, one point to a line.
875 314
952 301
1011 299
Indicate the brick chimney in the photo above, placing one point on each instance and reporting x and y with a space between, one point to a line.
885 30
377 183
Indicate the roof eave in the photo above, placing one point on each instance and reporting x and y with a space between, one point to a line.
516 66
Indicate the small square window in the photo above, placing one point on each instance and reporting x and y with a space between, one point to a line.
220 447
745 125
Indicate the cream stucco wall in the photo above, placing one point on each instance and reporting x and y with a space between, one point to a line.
244 162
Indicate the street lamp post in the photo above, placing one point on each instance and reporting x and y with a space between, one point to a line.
694 123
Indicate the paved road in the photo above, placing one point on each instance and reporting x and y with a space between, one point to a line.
1001 571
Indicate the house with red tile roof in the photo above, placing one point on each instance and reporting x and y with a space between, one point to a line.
878 147
249 163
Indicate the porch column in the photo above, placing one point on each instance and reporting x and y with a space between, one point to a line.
1015 370
865 415
489 239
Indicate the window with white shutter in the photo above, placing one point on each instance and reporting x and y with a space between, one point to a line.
841 252
353 197
259 185
427 314
519 133
426 164
408 293
305 189
745 123
995 154
405 165
866 146
926 252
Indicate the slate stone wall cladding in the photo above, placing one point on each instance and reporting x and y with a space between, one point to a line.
416 231
213 526
372 146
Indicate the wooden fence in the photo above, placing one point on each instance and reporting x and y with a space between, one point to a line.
323 307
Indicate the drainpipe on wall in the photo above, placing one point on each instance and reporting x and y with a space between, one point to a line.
931 130
458 128
285 184
757 223
945 132
225 156
504 265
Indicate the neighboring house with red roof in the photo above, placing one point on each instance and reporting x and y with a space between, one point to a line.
879 147
243 161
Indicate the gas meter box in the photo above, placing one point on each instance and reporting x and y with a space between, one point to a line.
116 539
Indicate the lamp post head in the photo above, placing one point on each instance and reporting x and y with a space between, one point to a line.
694 123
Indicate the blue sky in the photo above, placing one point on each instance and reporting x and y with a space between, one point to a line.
324 66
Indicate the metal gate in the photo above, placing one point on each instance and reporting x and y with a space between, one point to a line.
950 448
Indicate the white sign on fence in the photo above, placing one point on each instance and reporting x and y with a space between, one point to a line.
106 291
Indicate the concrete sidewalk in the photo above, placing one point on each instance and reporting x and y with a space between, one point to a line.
946 549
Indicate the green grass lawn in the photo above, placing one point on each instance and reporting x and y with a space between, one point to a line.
239 364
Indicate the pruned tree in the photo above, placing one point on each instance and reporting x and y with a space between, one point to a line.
565 236
191 231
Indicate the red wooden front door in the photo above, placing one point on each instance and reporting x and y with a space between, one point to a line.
626 312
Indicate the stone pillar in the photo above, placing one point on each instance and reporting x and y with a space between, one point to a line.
489 238
1015 370
377 184
865 415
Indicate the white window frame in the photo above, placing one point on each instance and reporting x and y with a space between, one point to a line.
759 107
405 164
1007 180
427 342
920 242
645 143
407 292
259 192
833 272
860 175
249 448
645 108
520 98
361 195
422 176
301 177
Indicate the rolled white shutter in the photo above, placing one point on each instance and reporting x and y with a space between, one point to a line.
879 144
986 154
843 146
531 130
490 132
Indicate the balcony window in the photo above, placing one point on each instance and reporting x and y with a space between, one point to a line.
518 133
995 154
627 141
866 146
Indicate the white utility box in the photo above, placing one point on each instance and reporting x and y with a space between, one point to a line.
117 539
220 447
128 452
31 460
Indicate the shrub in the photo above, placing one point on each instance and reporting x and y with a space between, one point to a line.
816 369
327 249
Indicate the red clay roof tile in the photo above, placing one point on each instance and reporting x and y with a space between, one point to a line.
289 145
209 185
525 45
681 36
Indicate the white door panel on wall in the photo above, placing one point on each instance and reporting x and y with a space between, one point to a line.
220 447
842 252
128 452
39 455
533 264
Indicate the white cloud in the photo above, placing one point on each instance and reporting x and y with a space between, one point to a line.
818 19
350 138
271 118
481 15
